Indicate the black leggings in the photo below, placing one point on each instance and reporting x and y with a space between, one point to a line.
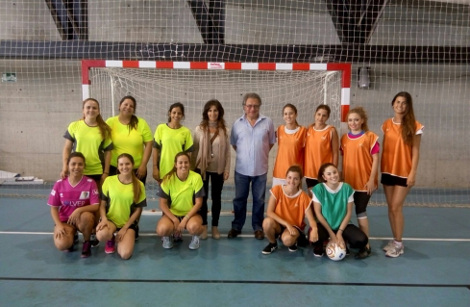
351 234
217 183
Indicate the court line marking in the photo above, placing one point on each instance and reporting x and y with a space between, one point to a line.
251 236
265 282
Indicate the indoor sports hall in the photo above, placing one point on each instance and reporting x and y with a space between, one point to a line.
54 54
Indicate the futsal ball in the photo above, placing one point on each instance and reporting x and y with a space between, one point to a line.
335 252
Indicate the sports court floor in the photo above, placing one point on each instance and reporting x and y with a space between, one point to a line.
434 271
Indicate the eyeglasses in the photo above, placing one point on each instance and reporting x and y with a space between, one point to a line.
252 106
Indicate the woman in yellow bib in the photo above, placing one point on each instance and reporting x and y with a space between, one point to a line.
122 199
92 137
132 135
181 193
170 138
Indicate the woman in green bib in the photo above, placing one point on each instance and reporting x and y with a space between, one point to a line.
332 202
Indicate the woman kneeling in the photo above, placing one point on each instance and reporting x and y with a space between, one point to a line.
74 201
287 208
123 197
177 191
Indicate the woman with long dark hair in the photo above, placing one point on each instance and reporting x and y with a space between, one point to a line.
211 159
400 156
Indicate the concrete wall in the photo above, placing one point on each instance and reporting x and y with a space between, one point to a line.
26 20
34 114
35 111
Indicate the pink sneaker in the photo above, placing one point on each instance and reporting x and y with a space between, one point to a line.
110 247
86 249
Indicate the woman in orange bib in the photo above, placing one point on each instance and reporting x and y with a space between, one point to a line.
290 144
400 156
360 149
321 145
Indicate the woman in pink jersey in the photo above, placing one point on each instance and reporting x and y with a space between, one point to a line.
321 145
400 156
92 137
360 149
74 201
290 144
287 208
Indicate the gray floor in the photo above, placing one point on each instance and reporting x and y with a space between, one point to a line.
434 271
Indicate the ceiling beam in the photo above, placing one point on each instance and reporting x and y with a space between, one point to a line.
352 53
452 1
210 19
70 17
355 20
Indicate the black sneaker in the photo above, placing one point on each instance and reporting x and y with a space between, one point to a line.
94 241
292 248
302 240
271 247
233 233
363 253
70 249
318 251
75 242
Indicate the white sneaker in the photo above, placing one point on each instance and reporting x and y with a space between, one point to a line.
167 242
390 245
396 251
194 243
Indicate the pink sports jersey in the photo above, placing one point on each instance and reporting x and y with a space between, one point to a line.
69 198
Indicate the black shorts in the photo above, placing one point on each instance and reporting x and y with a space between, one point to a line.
361 199
180 218
284 228
388 179
133 227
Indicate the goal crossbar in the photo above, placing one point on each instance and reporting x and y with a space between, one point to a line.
344 68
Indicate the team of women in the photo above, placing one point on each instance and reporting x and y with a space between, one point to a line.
101 192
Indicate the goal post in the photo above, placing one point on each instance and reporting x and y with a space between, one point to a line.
344 70
158 84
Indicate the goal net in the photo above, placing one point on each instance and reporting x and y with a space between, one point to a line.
157 85
418 46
